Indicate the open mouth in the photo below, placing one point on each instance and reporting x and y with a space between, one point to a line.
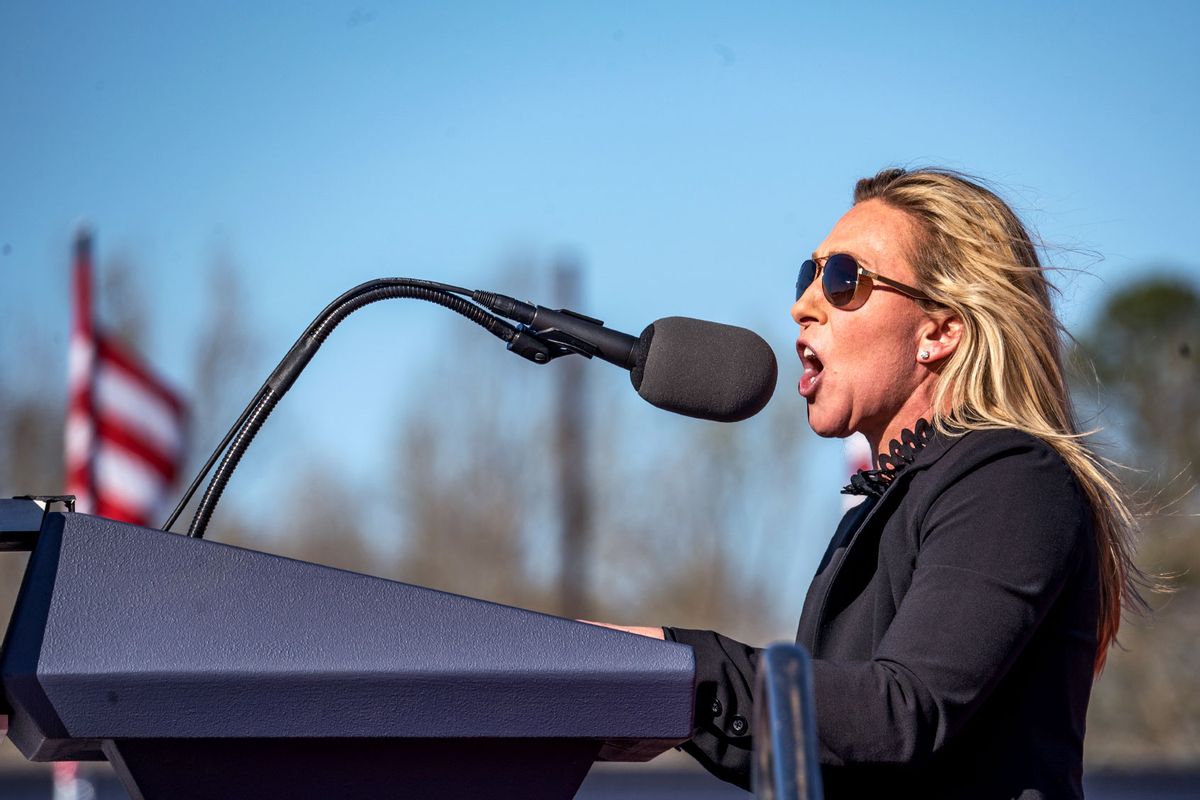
812 371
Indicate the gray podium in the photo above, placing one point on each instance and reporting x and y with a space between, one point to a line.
201 670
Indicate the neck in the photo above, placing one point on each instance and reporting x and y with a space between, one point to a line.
918 405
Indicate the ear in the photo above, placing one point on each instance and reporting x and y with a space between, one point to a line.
939 338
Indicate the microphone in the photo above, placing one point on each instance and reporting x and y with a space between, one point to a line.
704 369
687 366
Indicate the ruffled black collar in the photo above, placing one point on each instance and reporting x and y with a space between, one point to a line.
902 453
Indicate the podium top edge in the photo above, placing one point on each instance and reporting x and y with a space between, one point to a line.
20 523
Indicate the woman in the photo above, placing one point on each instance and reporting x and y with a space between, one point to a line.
960 612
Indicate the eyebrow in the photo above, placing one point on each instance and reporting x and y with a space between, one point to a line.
863 261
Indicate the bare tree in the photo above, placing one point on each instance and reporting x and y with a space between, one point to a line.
31 445
225 356
1143 346
472 478
121 300
465 499
696 520
319 522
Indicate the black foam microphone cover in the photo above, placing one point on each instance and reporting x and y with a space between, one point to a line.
704 369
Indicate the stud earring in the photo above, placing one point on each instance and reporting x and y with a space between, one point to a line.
923 355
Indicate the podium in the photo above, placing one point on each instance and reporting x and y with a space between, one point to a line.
202 670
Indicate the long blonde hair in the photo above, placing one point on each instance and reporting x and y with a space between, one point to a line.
974 258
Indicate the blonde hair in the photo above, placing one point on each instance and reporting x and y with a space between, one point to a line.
975 258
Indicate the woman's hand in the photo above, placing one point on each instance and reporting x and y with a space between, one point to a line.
653 633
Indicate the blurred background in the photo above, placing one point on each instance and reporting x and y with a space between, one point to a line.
242 164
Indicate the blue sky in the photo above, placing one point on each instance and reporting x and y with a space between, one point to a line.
689 153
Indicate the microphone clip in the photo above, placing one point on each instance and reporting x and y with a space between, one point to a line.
543 346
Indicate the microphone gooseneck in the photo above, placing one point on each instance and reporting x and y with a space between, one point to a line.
239 437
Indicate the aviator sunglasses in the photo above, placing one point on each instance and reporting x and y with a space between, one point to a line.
846 283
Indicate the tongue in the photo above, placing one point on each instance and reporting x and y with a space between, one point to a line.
811 371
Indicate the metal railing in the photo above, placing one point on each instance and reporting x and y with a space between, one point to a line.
785 727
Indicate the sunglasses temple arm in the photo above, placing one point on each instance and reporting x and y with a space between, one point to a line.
915 294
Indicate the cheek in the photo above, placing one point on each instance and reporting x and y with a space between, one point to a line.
859 354
873 362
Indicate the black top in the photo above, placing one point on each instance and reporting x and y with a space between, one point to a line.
953 628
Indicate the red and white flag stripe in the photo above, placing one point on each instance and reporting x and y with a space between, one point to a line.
125 425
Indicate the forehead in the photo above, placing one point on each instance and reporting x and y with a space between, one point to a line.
877 235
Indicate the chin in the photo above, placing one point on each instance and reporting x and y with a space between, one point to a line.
828 425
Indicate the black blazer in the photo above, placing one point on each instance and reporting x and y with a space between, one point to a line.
953 628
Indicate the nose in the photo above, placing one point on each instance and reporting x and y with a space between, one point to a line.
811 307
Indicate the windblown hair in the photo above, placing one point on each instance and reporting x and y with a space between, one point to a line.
974 258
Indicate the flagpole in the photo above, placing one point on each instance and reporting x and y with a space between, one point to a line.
81 442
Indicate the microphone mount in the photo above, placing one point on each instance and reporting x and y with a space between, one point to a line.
567 331
559 342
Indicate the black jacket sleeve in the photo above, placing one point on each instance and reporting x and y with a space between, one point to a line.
725 671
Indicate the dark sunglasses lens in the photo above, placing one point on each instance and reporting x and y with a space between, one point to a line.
840 279
808 271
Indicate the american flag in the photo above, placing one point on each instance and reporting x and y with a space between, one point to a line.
125 425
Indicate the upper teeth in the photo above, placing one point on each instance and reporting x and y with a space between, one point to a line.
808 352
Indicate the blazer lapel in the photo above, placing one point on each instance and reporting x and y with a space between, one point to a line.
814 598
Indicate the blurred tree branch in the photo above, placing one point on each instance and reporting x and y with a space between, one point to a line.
1143 350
